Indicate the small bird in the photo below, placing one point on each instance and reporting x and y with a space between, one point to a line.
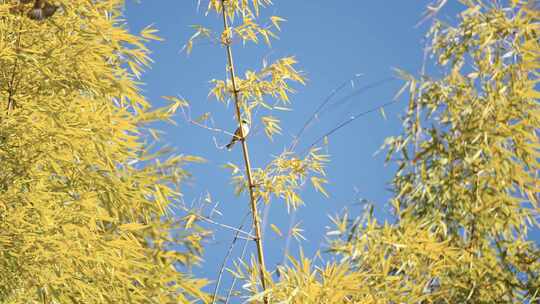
42 10
238 134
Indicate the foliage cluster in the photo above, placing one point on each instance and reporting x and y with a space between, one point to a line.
85 204
264 91
466 191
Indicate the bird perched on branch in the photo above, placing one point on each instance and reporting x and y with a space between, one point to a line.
41 10
238 134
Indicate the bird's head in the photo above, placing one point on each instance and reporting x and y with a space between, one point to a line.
245 122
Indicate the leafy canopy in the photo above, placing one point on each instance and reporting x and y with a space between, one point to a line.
466 189
86 204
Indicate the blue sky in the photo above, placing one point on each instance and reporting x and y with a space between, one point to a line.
332 40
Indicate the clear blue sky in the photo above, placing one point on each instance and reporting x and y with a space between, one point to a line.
332 40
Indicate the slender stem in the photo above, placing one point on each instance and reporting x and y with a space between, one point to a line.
226 258
234 278
346 122
315 114
251 185
246 235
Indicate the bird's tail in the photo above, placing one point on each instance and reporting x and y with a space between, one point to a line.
230 145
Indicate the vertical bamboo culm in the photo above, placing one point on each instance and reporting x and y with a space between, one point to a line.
251 185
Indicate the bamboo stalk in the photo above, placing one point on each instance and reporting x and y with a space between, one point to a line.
251 185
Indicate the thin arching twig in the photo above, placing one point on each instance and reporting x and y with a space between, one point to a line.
227 256
229 293
187 117
363 89
318 110
247 235
346 122
327 100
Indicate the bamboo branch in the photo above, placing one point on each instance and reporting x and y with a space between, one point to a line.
346 122
315 114
247 235
226 258
318 112
251 185
234 277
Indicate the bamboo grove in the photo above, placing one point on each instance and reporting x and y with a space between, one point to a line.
85 206
263 91
466 189
90 209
